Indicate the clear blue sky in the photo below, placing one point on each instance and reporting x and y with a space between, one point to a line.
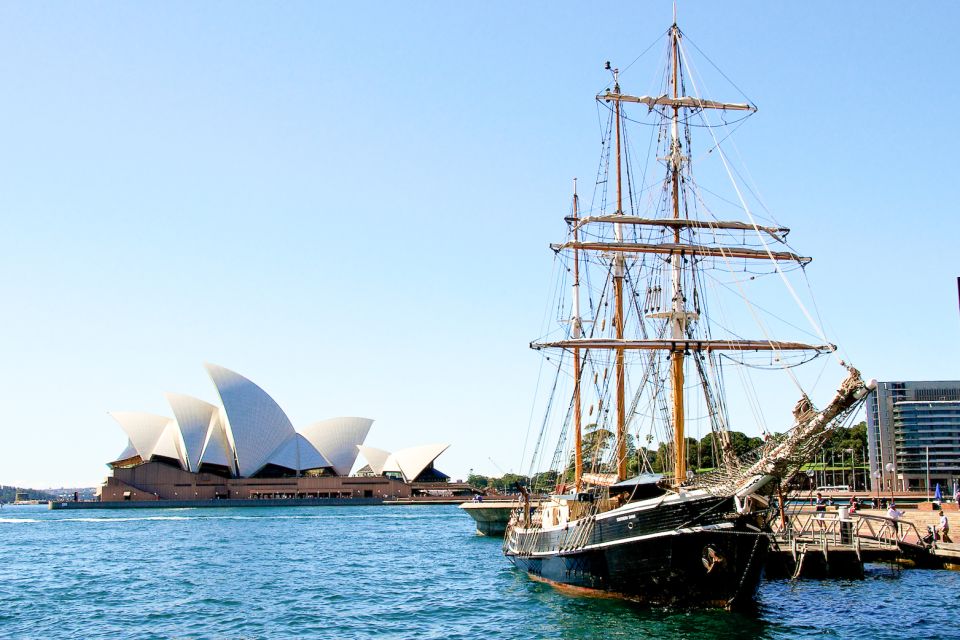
350 203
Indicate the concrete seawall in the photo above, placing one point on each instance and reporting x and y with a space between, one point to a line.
491 517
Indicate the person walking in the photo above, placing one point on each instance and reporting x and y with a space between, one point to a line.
943 529
821 508
893 513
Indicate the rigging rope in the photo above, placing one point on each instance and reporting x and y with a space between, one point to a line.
746 209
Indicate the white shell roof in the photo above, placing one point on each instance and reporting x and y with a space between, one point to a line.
298 454
250 430
143 429
256 425
390 465
310 457
129 452
194 417
286 454
376 458
169 444
410 462
337 440
216 448
414 460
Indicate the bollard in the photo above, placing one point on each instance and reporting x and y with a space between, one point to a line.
846 526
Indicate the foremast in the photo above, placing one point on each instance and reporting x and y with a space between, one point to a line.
576 332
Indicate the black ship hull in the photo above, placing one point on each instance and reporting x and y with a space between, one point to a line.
716 562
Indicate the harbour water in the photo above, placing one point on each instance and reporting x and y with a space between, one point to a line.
377 572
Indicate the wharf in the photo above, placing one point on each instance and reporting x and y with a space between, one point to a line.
492 515
835 544
948 554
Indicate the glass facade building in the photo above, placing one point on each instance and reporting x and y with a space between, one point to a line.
913 432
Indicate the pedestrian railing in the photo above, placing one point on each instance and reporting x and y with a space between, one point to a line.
829 529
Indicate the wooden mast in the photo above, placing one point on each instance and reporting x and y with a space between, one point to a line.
618 269
678 328
677 342
578 438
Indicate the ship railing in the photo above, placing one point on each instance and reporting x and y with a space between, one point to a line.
578 536
522 543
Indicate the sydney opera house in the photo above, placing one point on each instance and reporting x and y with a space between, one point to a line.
247 448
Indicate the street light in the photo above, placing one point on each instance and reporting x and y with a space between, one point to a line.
843 468
890 469
876 480
853 473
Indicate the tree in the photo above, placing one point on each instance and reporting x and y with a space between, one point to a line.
478 481
854 438
596 447
598 444
508 482
544 482
743 444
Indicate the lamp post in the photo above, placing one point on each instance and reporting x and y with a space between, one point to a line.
876 480
866 476
843 468
823 470
890 469
853 472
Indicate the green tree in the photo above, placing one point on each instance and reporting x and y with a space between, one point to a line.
598 444
478 481
544 482
508 482
854 437
744 444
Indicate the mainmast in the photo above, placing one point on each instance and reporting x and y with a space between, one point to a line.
618 271
576 333
678 321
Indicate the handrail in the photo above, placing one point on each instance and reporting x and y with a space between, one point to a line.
890 529
824 528
819 526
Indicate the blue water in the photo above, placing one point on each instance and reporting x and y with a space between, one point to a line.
377 572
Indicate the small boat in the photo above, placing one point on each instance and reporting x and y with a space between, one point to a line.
643 338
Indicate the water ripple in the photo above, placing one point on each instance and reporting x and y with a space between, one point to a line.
374 572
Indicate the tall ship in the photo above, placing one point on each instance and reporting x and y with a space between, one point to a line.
663 331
